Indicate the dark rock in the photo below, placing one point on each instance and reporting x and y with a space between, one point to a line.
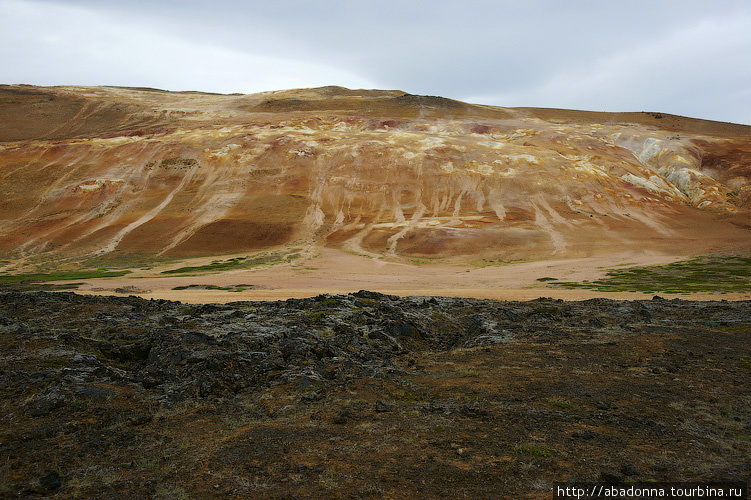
404 329
44 404
198 338
310 397
381 407
140 419
344 416
585 434
126 353
94 393
630 470
610 476
51 482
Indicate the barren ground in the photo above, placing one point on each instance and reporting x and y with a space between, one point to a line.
334 271
367 396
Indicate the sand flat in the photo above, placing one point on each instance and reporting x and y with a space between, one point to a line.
338 272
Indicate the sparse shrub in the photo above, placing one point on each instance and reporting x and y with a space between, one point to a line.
561 404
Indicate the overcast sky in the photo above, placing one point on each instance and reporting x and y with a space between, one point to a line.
686 57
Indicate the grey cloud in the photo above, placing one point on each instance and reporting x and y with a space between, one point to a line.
488 49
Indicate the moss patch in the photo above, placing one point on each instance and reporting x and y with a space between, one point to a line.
61 276
234 263
701 274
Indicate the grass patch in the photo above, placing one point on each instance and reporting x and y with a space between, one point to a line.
547 279
407 396
325 303
424 261
234 263
320 315
482 263
119 260
40 287
61 276
561 404
701 274
231 288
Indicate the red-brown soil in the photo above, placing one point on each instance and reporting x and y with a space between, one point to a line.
86 172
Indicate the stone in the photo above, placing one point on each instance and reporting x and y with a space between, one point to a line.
381 407
94 393
610 476
51 482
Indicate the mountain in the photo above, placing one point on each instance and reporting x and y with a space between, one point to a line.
113 171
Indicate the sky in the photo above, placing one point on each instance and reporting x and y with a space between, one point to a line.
685 57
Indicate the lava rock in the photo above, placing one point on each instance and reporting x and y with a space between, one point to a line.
51 482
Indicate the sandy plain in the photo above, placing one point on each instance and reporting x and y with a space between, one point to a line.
333 271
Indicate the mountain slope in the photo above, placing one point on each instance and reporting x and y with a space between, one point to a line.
91 171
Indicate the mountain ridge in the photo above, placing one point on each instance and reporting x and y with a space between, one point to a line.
88 171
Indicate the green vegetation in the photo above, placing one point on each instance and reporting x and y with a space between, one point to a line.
700 274
62 276
234 263
176 163
41 287
232 288
533 450
325 303
119 260
425 261
561 404
547 279
495 262
320 314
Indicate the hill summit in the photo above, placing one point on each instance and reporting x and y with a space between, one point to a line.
92 171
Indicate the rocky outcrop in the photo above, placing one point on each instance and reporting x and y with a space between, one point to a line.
157 399
178 351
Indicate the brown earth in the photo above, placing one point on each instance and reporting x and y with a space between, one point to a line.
86 172
367 396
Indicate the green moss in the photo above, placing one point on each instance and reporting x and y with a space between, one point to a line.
325 303
533 450
700 274
561 404
61 276
320 314
407 396
234 263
